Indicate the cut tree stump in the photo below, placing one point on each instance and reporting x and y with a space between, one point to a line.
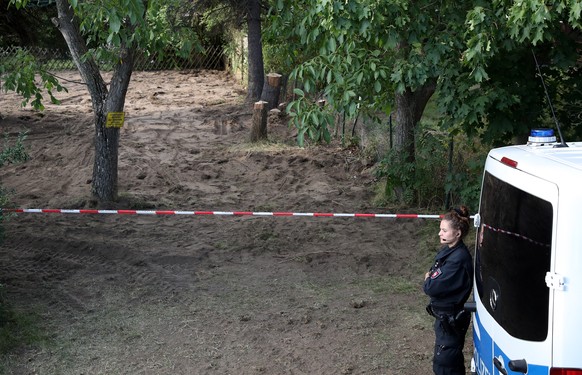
259 126
272 90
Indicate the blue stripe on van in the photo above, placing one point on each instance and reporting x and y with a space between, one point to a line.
483 354
483 347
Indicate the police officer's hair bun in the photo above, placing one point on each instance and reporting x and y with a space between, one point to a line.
462 211
459 218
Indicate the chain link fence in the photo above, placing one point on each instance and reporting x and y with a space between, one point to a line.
212 58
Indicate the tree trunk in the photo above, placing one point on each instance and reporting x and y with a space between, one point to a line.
409 108
255 61
104 182
105 168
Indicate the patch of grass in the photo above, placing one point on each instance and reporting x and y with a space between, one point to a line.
221 245
18 329
322 292
267 235
262 147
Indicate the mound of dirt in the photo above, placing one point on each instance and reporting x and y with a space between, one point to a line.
122 294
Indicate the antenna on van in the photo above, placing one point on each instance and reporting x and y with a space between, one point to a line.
563 143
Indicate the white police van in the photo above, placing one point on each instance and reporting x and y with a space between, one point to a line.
528 260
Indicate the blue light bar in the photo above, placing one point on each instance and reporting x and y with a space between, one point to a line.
539 137
541 133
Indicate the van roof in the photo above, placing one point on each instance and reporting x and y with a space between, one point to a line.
546 158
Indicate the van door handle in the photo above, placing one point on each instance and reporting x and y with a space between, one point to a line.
518 365
499 366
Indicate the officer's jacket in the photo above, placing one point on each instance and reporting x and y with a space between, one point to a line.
451 278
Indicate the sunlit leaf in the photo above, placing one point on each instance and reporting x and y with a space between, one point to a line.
298 91
114 23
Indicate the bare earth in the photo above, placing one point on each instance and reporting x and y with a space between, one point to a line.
123 294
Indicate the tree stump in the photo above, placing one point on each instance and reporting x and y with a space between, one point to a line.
272 90
259 126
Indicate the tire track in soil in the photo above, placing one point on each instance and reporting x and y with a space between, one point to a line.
207 295
49 267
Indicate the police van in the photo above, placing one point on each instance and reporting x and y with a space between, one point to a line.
528 260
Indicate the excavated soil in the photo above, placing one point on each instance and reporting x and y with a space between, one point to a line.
172 294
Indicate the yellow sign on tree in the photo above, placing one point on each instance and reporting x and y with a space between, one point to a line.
115 119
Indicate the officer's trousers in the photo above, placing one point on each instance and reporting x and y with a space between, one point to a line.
448 349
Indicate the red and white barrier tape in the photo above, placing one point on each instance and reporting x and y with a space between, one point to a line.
516 235
218 213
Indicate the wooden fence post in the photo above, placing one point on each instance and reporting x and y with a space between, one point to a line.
259 126
272 90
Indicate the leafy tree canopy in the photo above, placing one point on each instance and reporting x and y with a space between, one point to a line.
507 96
358 53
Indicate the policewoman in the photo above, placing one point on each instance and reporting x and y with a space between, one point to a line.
448 283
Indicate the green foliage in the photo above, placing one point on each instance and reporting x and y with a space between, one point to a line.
19 75
310 119
333 67
531 20
10 154
110 25
508 98
279 25
428 180
171 28
16 153
398 172
357 54
463 184
568 102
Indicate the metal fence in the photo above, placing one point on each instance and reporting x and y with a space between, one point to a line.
212 57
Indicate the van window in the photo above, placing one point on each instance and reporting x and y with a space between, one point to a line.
512 258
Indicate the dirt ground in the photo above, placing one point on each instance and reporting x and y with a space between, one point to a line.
122 294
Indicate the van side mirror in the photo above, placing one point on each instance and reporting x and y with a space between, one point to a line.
470 306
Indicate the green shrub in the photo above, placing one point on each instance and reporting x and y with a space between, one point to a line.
436 178
16 153
10 154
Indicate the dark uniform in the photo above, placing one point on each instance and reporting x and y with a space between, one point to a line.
449 285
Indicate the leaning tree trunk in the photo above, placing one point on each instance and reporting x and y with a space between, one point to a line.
104 182
256 68
409 108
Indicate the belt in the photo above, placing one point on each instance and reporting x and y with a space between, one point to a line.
450 309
